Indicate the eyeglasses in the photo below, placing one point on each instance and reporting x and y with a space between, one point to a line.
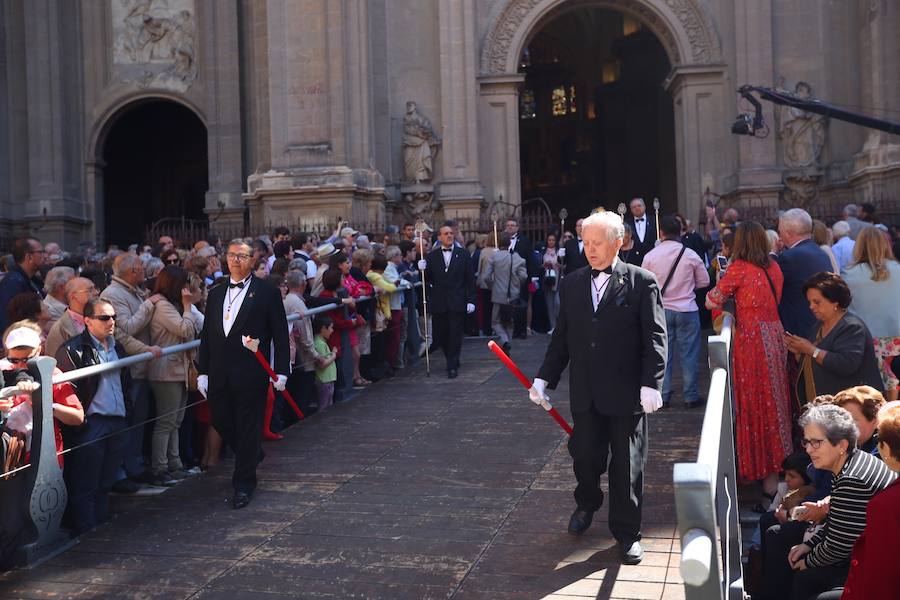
237 257
104 317
814 444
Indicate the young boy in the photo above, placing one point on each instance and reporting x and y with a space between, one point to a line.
326 370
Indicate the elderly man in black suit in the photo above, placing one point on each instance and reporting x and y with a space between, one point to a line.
801 259
613 386
573 251
230 376
644 227
451 295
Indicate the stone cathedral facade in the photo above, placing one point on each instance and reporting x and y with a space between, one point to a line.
118 112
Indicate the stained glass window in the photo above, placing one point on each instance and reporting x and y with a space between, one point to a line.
572 100
558 102
527 105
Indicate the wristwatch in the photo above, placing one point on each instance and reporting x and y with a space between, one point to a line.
815 353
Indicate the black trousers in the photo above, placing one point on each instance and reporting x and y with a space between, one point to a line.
619 442
520 314
777 541
448 335
237 414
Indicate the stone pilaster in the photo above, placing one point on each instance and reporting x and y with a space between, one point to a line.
460 190
499 126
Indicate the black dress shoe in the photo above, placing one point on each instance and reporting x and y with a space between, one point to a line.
240 500
506 347
451 374
580 521
632 553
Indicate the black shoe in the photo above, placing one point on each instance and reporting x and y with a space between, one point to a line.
697 404
240 500
452 374
632 553
125 486
506 347
580 521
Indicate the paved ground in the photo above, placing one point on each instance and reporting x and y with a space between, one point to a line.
417 488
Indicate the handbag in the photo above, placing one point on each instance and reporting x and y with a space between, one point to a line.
14 457
550 277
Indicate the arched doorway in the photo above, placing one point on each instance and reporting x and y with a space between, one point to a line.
596 126
155 167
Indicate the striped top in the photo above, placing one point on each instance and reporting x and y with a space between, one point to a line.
862 476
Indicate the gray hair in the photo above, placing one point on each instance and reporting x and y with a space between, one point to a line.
627 229
615 229
773 239
840 229
124 263
362 241
836 422
57 277
295 279
152 267
297 264
797 221
851 210
391 252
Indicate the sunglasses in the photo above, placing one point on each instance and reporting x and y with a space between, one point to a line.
18 361
104 317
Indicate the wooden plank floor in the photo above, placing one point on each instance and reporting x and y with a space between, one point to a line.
417 488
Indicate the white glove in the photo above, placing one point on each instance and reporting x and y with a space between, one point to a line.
203 384
561 253
280 382
423 264
537 394
651 399
470 308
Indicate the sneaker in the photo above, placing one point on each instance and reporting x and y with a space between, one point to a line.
182 474
162 480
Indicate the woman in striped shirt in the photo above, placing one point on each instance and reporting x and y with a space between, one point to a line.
830 437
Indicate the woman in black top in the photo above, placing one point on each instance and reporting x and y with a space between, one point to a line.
839 353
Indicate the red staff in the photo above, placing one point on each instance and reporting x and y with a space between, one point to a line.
252 344
545 402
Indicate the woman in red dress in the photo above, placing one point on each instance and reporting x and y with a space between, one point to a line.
759 357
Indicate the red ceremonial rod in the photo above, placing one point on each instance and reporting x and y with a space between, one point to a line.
287 395
514 369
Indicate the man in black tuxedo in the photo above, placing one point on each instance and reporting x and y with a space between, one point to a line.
611 332
524 247
230 376
644 227
573 257
451 295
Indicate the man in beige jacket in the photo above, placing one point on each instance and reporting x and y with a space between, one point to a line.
133 313
78 291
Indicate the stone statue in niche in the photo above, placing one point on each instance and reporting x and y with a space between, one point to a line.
802 133
420 145
155 42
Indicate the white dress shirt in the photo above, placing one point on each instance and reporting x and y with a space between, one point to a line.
580 246
598 287
640 227
231 306
512 242
447 257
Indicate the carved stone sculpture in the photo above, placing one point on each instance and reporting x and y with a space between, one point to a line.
419 146
802 133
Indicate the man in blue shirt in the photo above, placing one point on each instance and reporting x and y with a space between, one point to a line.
91 468
28 254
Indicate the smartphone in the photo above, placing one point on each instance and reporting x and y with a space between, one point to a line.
723 262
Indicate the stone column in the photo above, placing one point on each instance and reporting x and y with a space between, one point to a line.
700 137
499 137
758 172
460 190
876 173
221 70
319 117
55 204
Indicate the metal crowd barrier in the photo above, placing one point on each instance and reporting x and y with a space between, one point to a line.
706 491
32 502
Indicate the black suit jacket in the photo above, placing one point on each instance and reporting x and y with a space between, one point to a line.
797 265
449 288
642 248
525 249
614 351
574 258
224 359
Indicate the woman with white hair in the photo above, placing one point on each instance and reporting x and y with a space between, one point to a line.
822 562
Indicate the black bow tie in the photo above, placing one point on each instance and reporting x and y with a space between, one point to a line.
447 249
639 220
239 284
596 272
